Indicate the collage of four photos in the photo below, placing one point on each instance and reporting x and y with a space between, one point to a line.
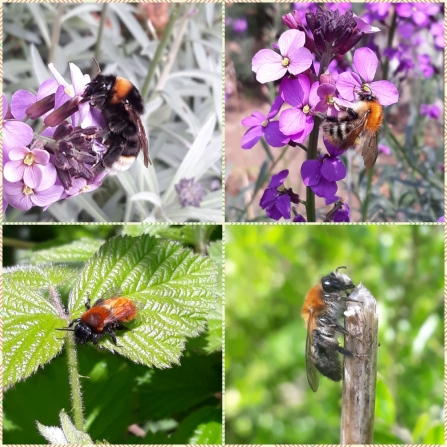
223 223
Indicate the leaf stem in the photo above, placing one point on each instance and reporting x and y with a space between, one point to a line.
367 194
75 384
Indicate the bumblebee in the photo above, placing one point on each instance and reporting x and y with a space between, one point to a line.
121 104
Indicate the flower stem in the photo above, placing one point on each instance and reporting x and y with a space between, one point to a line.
75 384
367 194
312 155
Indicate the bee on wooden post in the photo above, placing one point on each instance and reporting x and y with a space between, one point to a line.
323 306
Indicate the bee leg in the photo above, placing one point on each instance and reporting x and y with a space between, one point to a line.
345 352
112 155
112 335
87 303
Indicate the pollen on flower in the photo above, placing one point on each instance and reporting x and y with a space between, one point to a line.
29 159
69 90
265 123
285 62
27 191
306 109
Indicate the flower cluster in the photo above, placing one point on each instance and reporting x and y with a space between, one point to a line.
316 83
54 163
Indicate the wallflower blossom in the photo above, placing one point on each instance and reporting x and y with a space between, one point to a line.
430 110
293 58
276 199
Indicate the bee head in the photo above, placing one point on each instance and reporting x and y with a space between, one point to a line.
366 96
336 282
83 333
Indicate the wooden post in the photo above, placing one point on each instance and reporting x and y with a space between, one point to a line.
359 383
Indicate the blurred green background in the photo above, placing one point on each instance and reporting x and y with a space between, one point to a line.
268 272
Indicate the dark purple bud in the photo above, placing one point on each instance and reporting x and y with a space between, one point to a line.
320 43
64 177
67 148
39 108
92 130
62 131
82 157
59 115
311 21
330 32
61 161
289 21
85 172
294 198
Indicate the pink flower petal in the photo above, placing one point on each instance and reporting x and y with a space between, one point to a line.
267 66
385 91
291 121
347 83
292 36
300 60
365 62
13 171
32 176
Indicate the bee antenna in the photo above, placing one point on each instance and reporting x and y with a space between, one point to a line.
64 329
97 65
341 267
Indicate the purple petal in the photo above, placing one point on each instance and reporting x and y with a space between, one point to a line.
347 83
13 171
333 169
365 62
4 106
50 195
256 119
326 90
268 198
332 149
49 177
325 188
366 27
20 101
300 60
18 153
292 121
47 88
41 156
299 218
273 212
77 79
274 136
32 176
277 104
267 66
283 206
278 179
295 91
385 91
251 137
16 133
13 194
291 38
310 172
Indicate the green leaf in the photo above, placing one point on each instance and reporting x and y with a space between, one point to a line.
80 250
31 313
173 289
214 335
68 434
201 427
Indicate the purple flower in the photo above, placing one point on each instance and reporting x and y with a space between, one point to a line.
299 218
240 25
190 192
276 198
385 149
23 197
343 214
420 13
262 126
376 11
294 58
425 65
15 133
26 165
437 31
297 122
365 63
441 219
430 110
322 174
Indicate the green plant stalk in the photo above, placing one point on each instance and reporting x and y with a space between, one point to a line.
161 46
56 34
312 155
368 189
391 33
99 37
75 383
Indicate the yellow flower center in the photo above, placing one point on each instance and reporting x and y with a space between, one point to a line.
285 62
264 124
86 188
330 100
29 159
306 109
366 88
27 191
69 90
281 188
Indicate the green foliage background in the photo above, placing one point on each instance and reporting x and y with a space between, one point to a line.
178 405
268 272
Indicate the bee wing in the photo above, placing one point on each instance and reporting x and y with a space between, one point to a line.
144 145
120 309
312 374
354 132
370 150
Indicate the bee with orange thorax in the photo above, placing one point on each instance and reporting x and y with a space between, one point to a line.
357 125
323 306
